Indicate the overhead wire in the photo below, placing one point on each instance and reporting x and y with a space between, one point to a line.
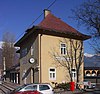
36 19
42 13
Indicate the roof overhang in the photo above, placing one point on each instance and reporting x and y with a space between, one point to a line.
47 31
63 33
27 33
92 68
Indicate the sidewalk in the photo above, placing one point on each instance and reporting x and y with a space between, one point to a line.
87 91
70 92
14 85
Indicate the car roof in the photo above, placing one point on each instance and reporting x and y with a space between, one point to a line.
38 84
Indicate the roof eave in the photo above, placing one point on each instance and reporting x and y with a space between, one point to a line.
27 33
73 35
59 33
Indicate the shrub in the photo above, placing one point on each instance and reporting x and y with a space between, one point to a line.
64 86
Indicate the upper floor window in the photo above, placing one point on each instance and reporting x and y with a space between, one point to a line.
63 48
32 50
24 52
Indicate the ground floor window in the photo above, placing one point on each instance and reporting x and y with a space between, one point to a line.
52 74
73 74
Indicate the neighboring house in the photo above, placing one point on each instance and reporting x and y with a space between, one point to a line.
12 73
92 67
36 62
92 74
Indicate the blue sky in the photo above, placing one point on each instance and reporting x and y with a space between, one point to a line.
17 15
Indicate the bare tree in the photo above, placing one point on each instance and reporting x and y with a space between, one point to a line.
95 44
73 58
88 14
8 50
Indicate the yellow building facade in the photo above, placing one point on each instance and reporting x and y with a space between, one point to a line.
41 45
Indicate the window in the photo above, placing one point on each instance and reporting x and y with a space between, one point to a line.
34 87
63 48
73 74
28 88
24 52
32 50
52 74
43 87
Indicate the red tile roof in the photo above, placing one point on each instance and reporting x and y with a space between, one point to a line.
53 23
57 28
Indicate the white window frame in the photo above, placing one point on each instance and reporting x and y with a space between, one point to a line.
74 75
64 48
51 72
32 50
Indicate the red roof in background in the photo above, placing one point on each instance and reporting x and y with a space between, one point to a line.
53 23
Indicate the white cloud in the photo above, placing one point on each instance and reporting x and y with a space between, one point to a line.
1 44
88 55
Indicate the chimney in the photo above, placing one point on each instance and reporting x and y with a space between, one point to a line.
46 12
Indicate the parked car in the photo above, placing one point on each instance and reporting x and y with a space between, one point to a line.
87 84
93 85
26 92
34 89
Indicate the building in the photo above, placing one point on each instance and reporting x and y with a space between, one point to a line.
92 74
36 62
13 74
1 72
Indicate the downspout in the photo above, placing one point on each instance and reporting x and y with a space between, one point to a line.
46 12
40 61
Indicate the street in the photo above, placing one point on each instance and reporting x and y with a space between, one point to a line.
7 87
91 91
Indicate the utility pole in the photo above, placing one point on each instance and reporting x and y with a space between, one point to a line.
4 67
